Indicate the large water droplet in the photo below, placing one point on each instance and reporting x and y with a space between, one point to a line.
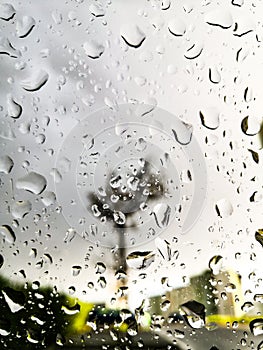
224 208
7 233
140 260
194 313
97 10
177 27
220 18
250 126
48 198
214 75
6 164
6 48
20 209
7 11
14 109
32 182
183 133
209 117
93 49
259 236
163 248
24 26
256 326
194 51
1 260
14 299
132 35
36 81
162 212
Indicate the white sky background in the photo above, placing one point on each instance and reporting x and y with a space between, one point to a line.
179 85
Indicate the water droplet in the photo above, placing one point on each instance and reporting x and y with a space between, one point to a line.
6 48
250 126
165 305
76 270
14 299
14 109
102 282
97 10
258 298
140 260
183 133
119 217
165 5
57 177
6 164
100 267
1 260
194 313
57 16
194 51
209 117
260 346
256 326
237 2
220 18
71 310
163 248
7 11
48 198
32 182
162 212
36 81
248 94
224 208
93 49
7 233
24 26
243 25
20 209
247 306
255 155
215 264
132 35
214 75
177 27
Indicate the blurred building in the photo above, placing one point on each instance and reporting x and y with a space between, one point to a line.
220 294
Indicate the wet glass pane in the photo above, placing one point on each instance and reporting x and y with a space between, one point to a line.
131 175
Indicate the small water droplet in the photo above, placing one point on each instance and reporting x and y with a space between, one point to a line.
93 49
177 27
48 198
250 126
164 248
14 109
209 117
162 212
140 260
224 208
215 264
214 75
194 51
76 270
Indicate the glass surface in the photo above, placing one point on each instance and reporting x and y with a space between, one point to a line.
131 174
